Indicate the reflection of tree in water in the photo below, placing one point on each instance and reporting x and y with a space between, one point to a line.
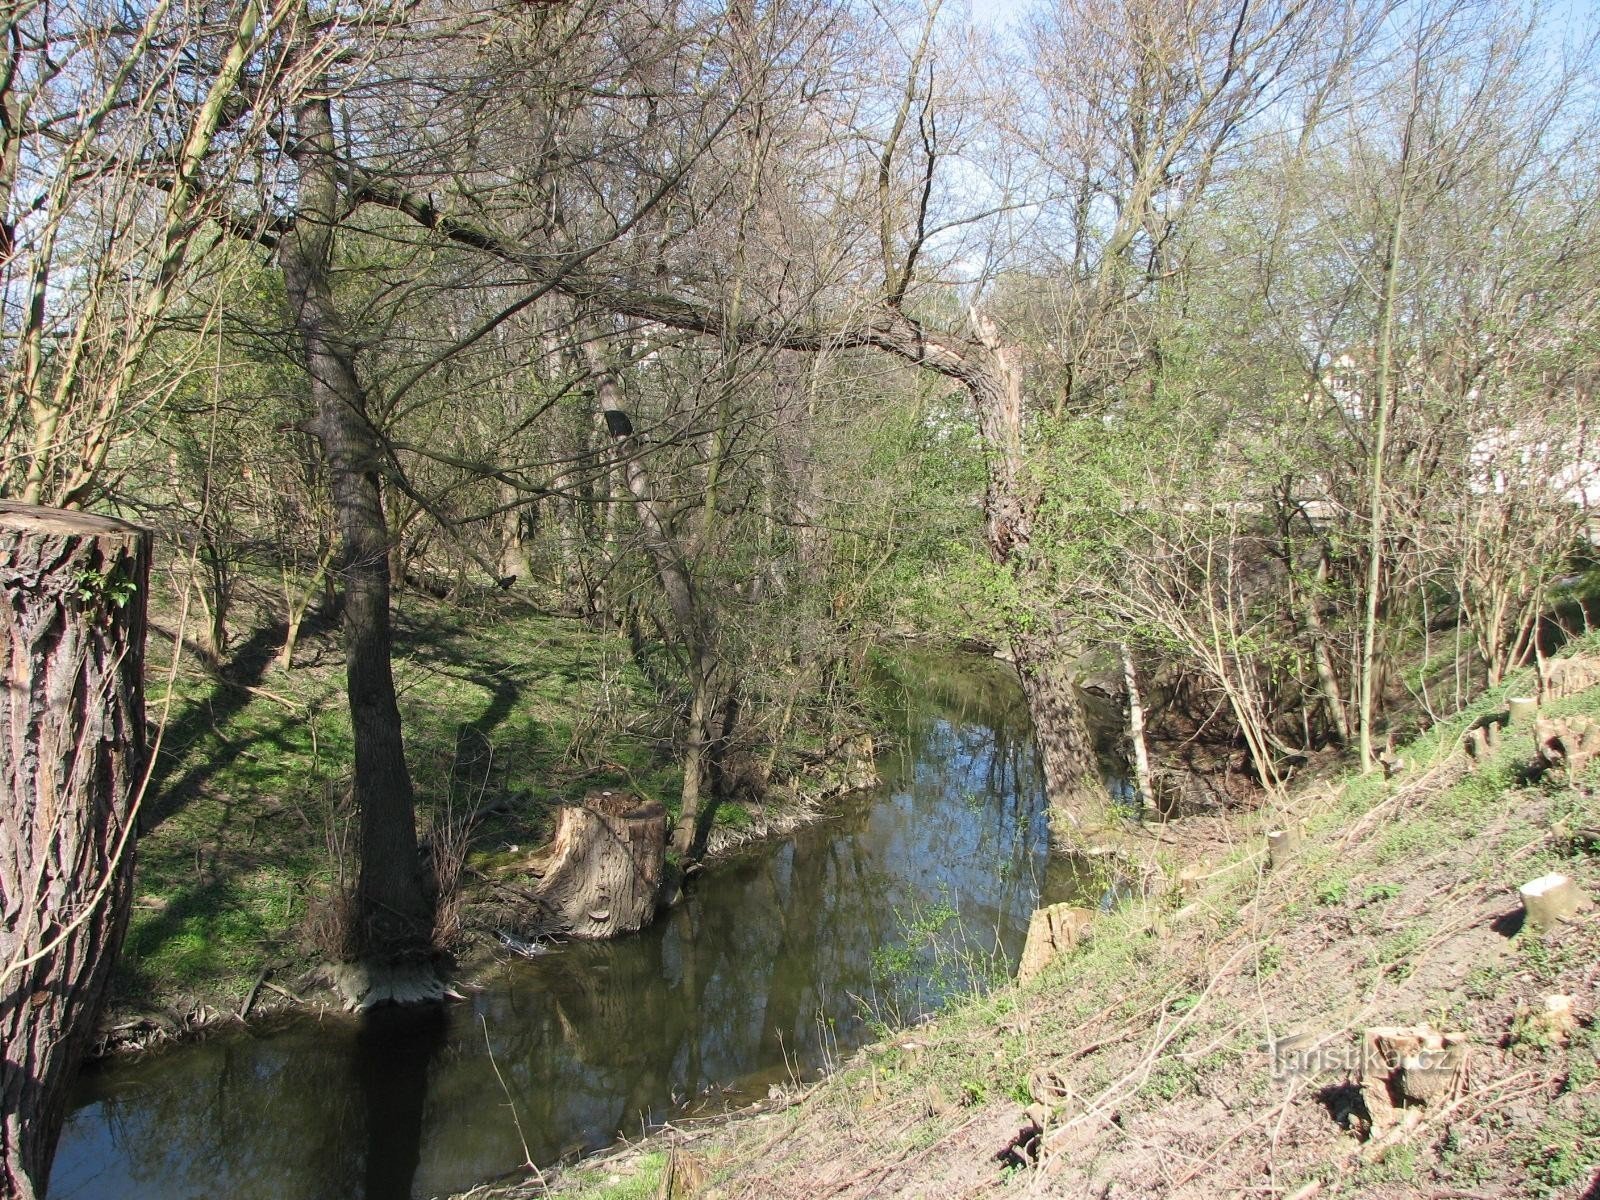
766 966
393 1052
282 1110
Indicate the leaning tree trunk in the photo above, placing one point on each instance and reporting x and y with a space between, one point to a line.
73 754
602 875
393 907
1076 795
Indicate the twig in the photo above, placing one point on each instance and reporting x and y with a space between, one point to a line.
255 988
527 1155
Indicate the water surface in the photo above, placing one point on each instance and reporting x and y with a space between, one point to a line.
778 964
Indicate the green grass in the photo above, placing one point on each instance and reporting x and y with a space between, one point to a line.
247 818
640 1180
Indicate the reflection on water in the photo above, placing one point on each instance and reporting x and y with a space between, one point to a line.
776 963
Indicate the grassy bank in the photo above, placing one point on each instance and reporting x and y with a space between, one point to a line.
1143 1063
508 712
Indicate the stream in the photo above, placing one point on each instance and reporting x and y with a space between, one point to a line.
779 964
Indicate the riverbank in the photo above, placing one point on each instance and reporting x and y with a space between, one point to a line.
1200 1041
247 829
780 960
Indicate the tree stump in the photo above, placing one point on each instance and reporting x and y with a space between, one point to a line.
1568 742
1569 676
1550 900
1522 711
1282 845
1481 741
73 754
1051 931
601 876
1402 1066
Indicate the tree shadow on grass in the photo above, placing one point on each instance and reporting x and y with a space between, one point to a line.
230 694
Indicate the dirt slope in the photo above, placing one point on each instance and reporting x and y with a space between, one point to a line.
1150 1062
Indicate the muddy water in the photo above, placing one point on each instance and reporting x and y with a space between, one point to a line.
778 964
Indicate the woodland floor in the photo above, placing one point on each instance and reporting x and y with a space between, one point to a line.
508 712
1148 1046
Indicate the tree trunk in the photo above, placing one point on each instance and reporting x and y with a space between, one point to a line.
394 910
603 874
1141 753
1327 677
1077 795
74 758
712 701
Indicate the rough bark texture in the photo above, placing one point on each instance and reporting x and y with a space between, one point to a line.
74 759
394 910
603 873
1076 792
1051 931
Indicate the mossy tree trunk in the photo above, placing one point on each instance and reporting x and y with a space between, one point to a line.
74 756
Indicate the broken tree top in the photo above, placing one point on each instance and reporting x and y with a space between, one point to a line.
30 518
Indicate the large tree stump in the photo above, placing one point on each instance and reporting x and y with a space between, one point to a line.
1569 676
601 876
1550 900
72 748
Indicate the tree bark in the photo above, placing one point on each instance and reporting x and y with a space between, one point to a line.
74 759
1075 791
1141 753
603 874
394 910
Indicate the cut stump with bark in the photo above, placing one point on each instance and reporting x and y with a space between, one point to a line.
1569 676
1550 900
1051 931
1481 742
73 754
1408 1066
1283 844
602 874
1566 742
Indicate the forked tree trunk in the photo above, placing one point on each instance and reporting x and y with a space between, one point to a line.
602 876
73 752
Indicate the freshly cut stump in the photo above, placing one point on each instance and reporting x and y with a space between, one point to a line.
1550 900
1283 845
73 758
601 876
